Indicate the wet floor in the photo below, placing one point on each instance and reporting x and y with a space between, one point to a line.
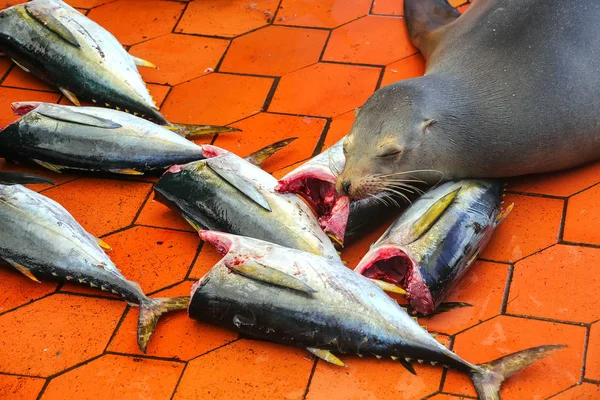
278 69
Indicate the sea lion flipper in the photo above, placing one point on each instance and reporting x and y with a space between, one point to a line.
425 16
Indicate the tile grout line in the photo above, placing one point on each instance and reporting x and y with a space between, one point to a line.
310 377
321 141
586 348
563 221
194 260
505 301
551 320
451 338
183 11
270 95
64 371
116 330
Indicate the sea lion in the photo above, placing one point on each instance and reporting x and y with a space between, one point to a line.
510 88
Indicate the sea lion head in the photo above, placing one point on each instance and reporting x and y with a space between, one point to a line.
391 143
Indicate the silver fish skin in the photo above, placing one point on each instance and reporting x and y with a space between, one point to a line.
92 138
207 200
292 297
341 218
63 47
432 244
42 240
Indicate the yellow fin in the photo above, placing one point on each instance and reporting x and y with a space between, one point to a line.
255 270
71 96
193 224
126 171
103 244
326 355
56 168
430 217
143 63
388 287
504 213
24 270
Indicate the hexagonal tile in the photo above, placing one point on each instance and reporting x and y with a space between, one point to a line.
549 284
584 391
155 258
370 40
483 287
159 92
409 67
340 126
207 258
20 79
517 237
176 336
117 377
145 19
19 387
562 183
327 89
217 99
274 50
158 215
583 216
592 367
226 18
249 370
179 58
17 289
371 378
264 129
388 7
322 14
10 95
504 335
101 206
55 333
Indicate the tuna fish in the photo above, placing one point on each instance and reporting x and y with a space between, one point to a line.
42 240
431 246
229 194
292 297
338 216
91 138
63 47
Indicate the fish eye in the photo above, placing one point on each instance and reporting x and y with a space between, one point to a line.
390 153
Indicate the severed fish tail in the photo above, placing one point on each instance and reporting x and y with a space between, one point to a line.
150 312
488 377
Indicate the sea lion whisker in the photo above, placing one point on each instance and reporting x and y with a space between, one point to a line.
411 188
398 192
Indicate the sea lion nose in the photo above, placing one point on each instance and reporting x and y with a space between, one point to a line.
346 187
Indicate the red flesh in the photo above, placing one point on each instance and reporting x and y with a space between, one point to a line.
393 265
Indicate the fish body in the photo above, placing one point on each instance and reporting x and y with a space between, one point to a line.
433 243
42 240
339 311
341 218
207 199
21 178
92 138
66 49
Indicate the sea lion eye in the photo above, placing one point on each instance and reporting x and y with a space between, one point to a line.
390 153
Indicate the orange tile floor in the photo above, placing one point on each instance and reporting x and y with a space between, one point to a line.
281 69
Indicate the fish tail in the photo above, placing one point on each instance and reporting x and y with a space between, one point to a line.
488 377
192 131
150 312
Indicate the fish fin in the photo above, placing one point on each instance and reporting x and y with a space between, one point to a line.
150 312
488 377
126 171
13 178
448 306
504 213
388 287
61 113
45 18
192 131
71 96
406 364
326 355
192 223
220 167
259 157
24 270
56 168
143 63
257 271
430 217
21 66
103 244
